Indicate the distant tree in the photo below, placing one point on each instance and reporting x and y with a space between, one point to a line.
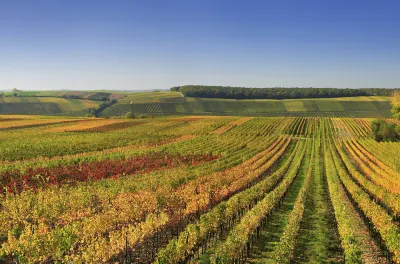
70 96
397 129
175 89
15 90
129 115
383 131
275 93
396 104
98 112
375 126
389 133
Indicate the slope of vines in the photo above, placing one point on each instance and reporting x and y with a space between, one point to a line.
197 190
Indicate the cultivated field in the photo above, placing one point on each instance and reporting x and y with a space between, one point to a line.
45 106
172 103
88 95
197 190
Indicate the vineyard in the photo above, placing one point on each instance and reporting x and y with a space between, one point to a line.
80 103
199 189
172 103
45 106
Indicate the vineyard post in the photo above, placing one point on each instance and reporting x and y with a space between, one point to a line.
126 247
157 239
210 197
180 220
152 249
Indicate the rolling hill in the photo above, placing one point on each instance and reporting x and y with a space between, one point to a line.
173 103
46 106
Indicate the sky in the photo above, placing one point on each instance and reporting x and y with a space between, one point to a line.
138 45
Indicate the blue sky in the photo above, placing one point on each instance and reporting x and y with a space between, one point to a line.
60 44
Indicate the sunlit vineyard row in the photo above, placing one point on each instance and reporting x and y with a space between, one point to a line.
197 190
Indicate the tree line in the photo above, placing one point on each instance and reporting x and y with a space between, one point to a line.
98 112
227 92
385 131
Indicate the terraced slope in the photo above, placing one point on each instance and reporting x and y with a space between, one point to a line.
89 95
197 190
173 104
45 106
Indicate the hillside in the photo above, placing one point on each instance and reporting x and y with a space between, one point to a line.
46 106
173 103
228 92
78 103
108 190
100 95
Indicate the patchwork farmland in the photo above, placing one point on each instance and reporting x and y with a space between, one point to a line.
172 103
45 106
200 132
168 103
200 189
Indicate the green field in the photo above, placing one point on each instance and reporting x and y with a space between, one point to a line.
45 106
146 97
89 95
172 103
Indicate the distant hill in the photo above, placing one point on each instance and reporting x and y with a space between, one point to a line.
46 106
228 92
174 103
89 95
